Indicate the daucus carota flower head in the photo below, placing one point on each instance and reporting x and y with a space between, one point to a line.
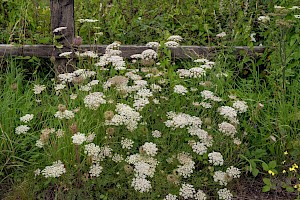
141 184
55 170
220 177
126 143
94 100
228 112
37 89
180 89
66 114
200 195
26 118
78 138
171 197
172 44
199 148
22 129
225 194
240 106
227 128
175 38
215 158
95 170
187 191
150 148
149 54
233 172
153 44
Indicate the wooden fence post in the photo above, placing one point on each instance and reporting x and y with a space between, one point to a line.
62 15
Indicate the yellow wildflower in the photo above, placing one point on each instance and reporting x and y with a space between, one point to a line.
285 153
283 171
271 172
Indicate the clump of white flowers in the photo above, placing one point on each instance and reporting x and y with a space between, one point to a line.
233 172
206 94
175 38
200 195
220 177
182 120
240 106
127 143
55 170
126 116
225 194
94 100
22 129
187 191
95 170
227 128
172 44
195 72
180 89
78 138
228 113
150 148
171 197
156 133
141 184
215 158
26 118
187 165
66 114
37 89
149 54
153 44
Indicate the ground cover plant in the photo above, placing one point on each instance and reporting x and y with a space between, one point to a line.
152 127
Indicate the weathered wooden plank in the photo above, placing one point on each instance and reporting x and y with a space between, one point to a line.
47 51
62 15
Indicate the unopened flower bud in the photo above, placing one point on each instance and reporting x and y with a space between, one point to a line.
77 41
61 107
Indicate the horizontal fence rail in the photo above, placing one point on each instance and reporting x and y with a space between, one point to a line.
47 51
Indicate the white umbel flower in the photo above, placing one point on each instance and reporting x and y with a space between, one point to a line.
227 128
95 170
215 158
22 129
55 170
67 114
175 38
199 148
153 44
233 172
127 143
187 191
141 184
180 89
78 138
240 106
225 194
172 44
26 118
171 197
149 54
150 148
94 100
220 177
200 195
37 89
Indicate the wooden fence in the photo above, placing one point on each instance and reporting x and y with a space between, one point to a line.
62 15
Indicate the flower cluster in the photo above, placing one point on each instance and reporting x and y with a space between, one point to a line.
126 116
94 100
55 170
